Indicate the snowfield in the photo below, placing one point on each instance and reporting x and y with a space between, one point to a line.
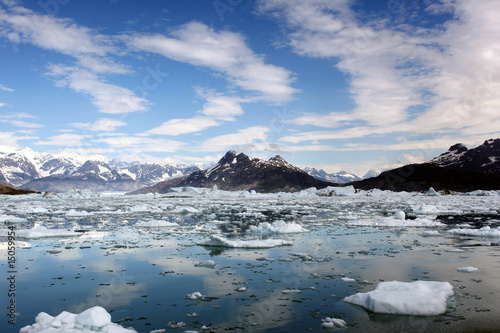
312 260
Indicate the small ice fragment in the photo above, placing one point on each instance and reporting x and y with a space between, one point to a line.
194 296
175 324
399 215
241 289
332 323
264 243
291 291
430 233
346 279
278 227
468 269
207 264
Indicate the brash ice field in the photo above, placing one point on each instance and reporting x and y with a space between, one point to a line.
208 260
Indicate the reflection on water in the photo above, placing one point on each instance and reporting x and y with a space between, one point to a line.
142 275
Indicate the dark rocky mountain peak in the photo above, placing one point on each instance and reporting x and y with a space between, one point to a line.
459 148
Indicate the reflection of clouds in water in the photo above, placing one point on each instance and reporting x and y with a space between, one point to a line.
117 293
268 313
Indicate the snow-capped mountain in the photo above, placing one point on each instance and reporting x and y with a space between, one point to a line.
341 177
371 174
483 159
241 172
61 172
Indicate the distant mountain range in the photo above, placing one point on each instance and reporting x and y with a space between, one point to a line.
458 169
341 177
24 168
27 169
241 172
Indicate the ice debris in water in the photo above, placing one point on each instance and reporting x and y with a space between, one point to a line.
95 319
332 323
483 232
156 223
399 215
194 296
216 240
419 298
278 227
468 269
185 210
207 264
12 219
40 232
394 222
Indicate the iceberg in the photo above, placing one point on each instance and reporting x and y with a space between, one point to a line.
419 298
40 232
156 223
252 244
95 319
278 227
483 232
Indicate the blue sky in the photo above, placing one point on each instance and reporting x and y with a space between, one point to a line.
332 84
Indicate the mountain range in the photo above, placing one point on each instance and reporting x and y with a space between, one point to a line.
24 168
27 169
459 169
241 172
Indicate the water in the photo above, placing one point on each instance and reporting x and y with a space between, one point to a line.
142 275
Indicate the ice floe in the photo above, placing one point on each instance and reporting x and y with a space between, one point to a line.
40 232
216 240
95 319
482 232
420 298
467 269
156 224
394 222
332 323
12 219
278 227
195 296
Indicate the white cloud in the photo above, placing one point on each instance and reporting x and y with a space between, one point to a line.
102 124
402 78
184 126
108 98
4 88
137 144
68 140
22 25
11 138
220 106
224 52
242 137
20 123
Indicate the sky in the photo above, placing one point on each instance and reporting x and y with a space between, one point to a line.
331 84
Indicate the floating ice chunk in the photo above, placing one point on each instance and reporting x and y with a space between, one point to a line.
12 219
241 289
430 233
332 323
95 319
346 279
483 232
40 232
393 222
291 291
175 324
264 243
431 192
96 316
184 210
420 298
399 215
278 227
156 223
426 209
75 213
194 296
468 269
207 264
